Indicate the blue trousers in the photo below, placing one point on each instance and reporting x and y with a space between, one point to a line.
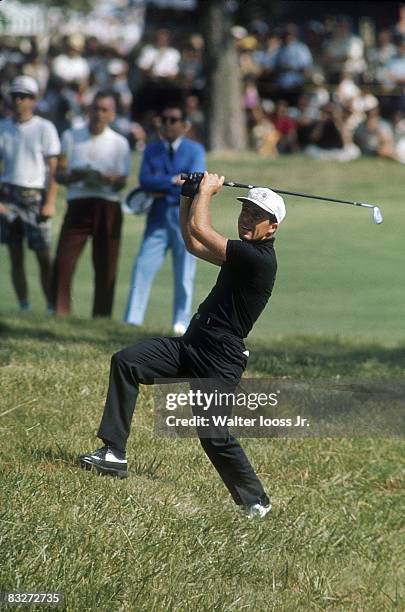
162 233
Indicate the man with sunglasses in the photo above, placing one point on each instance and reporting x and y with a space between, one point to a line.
94 165
29 146
162 164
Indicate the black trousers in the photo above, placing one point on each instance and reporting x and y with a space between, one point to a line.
202 353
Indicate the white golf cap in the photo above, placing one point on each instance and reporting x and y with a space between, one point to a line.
25 85
268 200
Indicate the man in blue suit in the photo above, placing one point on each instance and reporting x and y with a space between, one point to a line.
161 168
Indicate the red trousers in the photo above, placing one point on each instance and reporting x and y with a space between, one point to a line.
86 218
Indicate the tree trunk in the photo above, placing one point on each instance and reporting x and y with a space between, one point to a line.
223 99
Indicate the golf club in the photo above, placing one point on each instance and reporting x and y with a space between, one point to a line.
376 212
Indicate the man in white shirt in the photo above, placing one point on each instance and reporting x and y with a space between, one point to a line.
71 66
344 52
159 65
29 146
160 60
94 165
396 67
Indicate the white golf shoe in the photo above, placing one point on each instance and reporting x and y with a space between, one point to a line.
257 510
104 461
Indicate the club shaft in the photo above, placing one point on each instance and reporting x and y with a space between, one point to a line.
300 195
294 193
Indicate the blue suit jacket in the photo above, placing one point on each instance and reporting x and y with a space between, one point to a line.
157 170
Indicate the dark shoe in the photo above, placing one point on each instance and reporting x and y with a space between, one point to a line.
104 461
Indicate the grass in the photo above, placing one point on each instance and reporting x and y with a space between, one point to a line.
168 538
339 274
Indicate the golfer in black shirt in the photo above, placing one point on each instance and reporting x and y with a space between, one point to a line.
212 347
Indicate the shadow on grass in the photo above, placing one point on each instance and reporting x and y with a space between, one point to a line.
96 332
149 467
52 455
325 357
289 356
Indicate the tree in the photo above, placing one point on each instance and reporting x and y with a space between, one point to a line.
225 115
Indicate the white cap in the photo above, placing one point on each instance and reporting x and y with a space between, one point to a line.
268 200
25 85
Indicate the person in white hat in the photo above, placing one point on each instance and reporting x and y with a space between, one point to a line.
29 146
212 349
267 200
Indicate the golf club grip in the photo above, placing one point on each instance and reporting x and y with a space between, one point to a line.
187 175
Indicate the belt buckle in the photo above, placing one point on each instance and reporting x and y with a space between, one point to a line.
204 321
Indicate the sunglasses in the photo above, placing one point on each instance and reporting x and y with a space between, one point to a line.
22 96
170 120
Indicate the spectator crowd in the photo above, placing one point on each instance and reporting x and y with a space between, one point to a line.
324 89
321 88
71 113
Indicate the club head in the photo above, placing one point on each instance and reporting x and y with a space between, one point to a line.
377 215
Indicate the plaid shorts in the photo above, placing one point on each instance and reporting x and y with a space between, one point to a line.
23 220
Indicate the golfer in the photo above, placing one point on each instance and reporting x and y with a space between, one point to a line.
212 347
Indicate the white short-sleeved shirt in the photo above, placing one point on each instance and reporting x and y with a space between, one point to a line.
24 148
70 68
161 62
107 152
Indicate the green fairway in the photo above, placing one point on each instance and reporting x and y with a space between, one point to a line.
169 537
339 274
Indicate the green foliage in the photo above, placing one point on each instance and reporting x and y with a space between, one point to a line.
83 6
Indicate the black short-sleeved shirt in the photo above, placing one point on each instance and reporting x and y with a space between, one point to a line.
243 286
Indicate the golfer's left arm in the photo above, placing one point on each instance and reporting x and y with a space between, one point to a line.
200 223
193 245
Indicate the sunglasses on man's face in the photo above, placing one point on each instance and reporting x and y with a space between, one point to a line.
170 120
22 96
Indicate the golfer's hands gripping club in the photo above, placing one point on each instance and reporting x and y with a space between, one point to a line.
194 181
211 184
191 184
